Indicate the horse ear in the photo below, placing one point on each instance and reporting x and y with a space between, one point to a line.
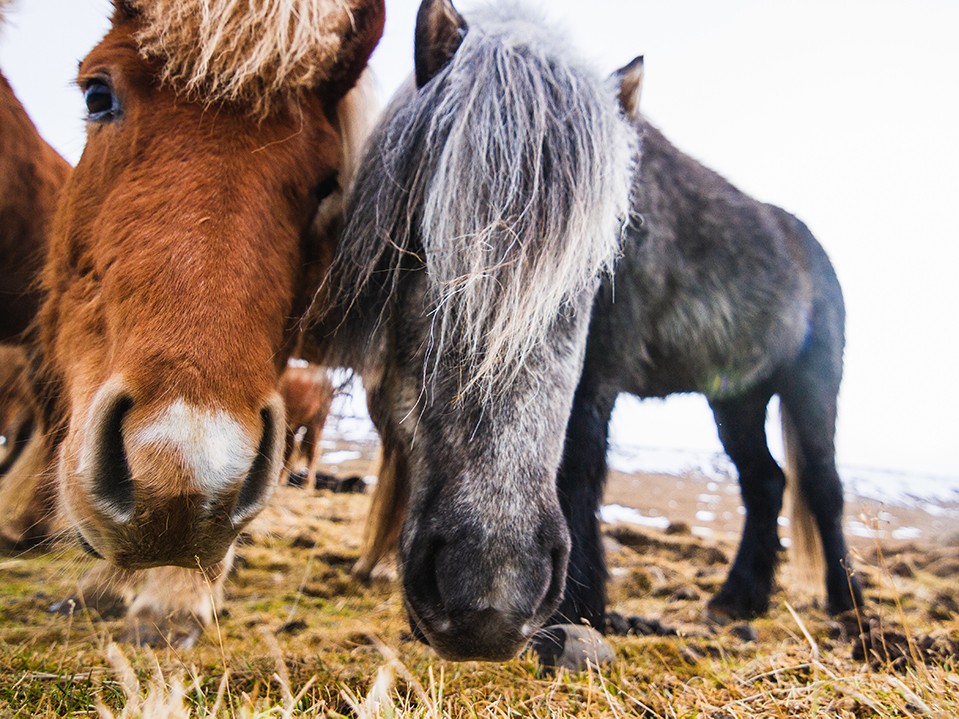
439 32
123 10
369 17
630 80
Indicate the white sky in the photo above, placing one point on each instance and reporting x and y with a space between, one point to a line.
845 113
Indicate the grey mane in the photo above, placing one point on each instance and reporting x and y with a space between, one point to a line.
506 178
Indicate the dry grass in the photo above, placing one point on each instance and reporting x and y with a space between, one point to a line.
300 638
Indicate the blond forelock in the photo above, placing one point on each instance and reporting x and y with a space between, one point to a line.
246 52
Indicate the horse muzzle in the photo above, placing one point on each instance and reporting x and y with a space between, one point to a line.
476 597
172 485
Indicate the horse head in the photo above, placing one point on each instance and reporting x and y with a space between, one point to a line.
469 275
176 264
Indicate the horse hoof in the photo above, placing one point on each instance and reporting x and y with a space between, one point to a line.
846 599
718 616
361 571
574 647
380 573
107 606
744 632
725 608
618 625
15 542
351 485
323 480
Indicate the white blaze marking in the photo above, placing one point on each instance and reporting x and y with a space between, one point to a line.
212 445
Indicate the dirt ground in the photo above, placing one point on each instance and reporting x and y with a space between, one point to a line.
299 637
711 508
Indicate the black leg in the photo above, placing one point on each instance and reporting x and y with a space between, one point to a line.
812 410
580 483
741 425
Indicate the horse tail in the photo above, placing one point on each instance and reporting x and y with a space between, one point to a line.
806 548
387 511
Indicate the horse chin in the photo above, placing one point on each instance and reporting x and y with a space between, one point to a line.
135 563
481 635
133 552
131 549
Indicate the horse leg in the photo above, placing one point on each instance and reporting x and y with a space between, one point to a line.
809 411
289 447
105 588
580 483
741 424
175 604
310 447
32 526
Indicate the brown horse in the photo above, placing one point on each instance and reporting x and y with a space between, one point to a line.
307 393
25 503
31 176
179 260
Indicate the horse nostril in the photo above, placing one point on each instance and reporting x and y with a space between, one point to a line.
559 560
112 480
421 580
262 475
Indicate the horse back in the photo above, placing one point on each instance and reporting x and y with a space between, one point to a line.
715 291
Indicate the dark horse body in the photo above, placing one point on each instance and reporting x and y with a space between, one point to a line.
714 293
719 294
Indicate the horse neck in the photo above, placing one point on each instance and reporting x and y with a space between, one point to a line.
666 170
671 192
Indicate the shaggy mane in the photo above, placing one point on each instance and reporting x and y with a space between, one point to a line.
507 178
243 51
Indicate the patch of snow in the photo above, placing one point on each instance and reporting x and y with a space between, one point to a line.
613 513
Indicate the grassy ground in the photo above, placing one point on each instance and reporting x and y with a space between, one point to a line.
298 637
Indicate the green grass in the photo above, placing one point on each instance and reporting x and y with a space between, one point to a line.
300 638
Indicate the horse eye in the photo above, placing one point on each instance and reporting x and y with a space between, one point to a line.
102 104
